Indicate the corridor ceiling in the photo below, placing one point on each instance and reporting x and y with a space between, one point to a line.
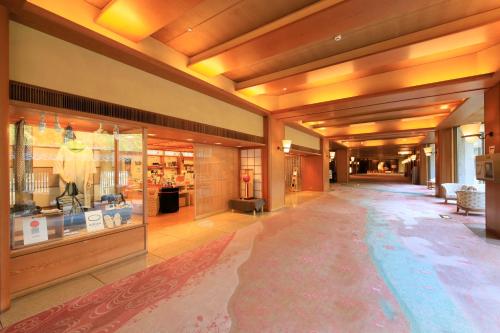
362 73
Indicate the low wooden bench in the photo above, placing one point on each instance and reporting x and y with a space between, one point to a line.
250 205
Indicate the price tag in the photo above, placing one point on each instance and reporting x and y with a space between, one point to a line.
34 230
94 220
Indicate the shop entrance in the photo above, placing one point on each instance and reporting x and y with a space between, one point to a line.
170 182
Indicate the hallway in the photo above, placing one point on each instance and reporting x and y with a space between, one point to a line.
361 258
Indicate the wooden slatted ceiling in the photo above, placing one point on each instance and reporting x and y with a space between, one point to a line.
461 43
216 21
313 37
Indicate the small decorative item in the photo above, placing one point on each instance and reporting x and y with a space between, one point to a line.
42 124
108 221
117 220
247 184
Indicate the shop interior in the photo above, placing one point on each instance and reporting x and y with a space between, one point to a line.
170 180
72 176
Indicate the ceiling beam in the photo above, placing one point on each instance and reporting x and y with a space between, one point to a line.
464 86
381 116
383 135
416 37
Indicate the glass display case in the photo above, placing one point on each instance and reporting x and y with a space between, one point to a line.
71 176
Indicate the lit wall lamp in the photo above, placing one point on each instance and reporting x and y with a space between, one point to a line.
332 155
413 157
472 132
286 146
428 151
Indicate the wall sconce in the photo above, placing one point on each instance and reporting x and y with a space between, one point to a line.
472 132
286 146
332 155
428 151
352 158
413 157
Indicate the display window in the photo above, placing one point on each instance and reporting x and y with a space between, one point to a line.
71 176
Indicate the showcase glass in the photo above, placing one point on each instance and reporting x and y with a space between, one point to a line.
70 176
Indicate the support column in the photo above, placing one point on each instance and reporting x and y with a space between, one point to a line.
342 163
445 159
275 132
4 161
325 153
492 124
422 166
315 170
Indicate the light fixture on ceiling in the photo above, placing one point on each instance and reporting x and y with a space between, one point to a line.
404 152
472 132
285 89
428 151
151 134
189 29
338 37
286 145
444 106
42 124
218 143
189 139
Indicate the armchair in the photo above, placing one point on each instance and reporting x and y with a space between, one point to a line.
471 201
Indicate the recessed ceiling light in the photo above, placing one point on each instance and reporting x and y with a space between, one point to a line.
218 143
338 38
189 29
239 146
444 106
285 89
189 139
151 134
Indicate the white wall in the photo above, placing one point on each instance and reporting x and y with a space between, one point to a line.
43 60
302 139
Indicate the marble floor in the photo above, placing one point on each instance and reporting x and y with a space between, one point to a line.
365 257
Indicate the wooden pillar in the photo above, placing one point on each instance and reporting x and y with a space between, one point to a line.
445 159
492 124
325 153
275 164
4 162
422 166
342 163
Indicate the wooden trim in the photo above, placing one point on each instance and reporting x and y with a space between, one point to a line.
75 275
307 150
28 93
4 162
40 19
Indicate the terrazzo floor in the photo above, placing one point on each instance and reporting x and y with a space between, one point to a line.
365 257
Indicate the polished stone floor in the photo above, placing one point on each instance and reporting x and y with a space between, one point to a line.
365 257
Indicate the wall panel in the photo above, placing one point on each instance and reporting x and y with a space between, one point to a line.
216 179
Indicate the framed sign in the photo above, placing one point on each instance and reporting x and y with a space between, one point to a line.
34 230
94 220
